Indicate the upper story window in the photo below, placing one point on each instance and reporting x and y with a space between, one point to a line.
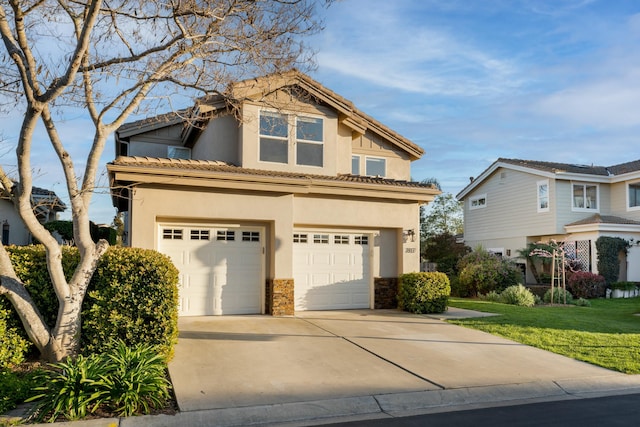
543 196
355 165
478 202
276 136
375 166
584 196
634 195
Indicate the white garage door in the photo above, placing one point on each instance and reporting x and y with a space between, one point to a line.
221 269
331 271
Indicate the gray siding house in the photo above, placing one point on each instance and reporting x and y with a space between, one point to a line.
517 202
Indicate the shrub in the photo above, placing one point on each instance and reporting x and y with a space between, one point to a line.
583 284
424 292
582 302
69 389
136 379
124 380
518 295
16 387
492 296
133 297
482 272
13 346
558 296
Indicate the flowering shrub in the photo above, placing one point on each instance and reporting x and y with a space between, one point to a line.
583 284
482 272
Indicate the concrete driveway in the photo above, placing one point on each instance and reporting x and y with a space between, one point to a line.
400 361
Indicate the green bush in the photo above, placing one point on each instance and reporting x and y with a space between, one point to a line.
13 346
582 302
482 272
136 379
609 249
15 388
518 295
583 284
492 296
124 380
558 296
426 292
133 296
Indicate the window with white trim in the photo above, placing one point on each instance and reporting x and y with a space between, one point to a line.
172 234
584 197
341 239
361 240
300 238
226 235
279 131
633 191
375 166
199 234
321 238
543 195
478 202
355 165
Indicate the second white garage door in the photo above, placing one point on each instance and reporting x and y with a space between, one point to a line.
221 269
331 271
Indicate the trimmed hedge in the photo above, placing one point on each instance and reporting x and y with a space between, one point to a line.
133 296
426 292
482 272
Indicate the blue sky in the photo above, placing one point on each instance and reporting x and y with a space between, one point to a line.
469 81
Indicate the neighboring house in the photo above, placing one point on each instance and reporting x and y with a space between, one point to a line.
516 202
280 197
46 206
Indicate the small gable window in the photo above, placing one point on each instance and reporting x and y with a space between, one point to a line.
478 202
355 165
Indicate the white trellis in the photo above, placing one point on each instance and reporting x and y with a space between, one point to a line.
558 272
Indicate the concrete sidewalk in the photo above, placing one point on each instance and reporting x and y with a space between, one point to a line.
323 367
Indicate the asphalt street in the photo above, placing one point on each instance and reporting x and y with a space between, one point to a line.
623 410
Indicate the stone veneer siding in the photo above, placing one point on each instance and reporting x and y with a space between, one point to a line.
385 292
279 297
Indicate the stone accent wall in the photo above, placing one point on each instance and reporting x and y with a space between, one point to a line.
386 292
279 297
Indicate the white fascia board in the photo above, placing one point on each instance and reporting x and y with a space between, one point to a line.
631 176
601 227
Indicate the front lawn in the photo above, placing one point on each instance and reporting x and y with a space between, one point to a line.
606 334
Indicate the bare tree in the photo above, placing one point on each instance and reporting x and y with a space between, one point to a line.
108 60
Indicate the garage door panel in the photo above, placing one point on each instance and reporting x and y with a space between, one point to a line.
220 273
331 272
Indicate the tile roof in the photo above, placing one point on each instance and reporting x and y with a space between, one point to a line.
604 219
219 166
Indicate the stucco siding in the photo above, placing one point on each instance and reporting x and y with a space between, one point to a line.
397 163
219 141
18 233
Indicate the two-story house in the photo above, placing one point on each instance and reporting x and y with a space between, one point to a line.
516 202
46 206
278 196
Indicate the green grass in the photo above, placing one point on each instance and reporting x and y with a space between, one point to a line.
606 334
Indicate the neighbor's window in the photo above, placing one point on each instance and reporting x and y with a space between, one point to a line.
634 195
174 152
355 165
309 141
543 196
376 166
274 137
478 202
585 196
